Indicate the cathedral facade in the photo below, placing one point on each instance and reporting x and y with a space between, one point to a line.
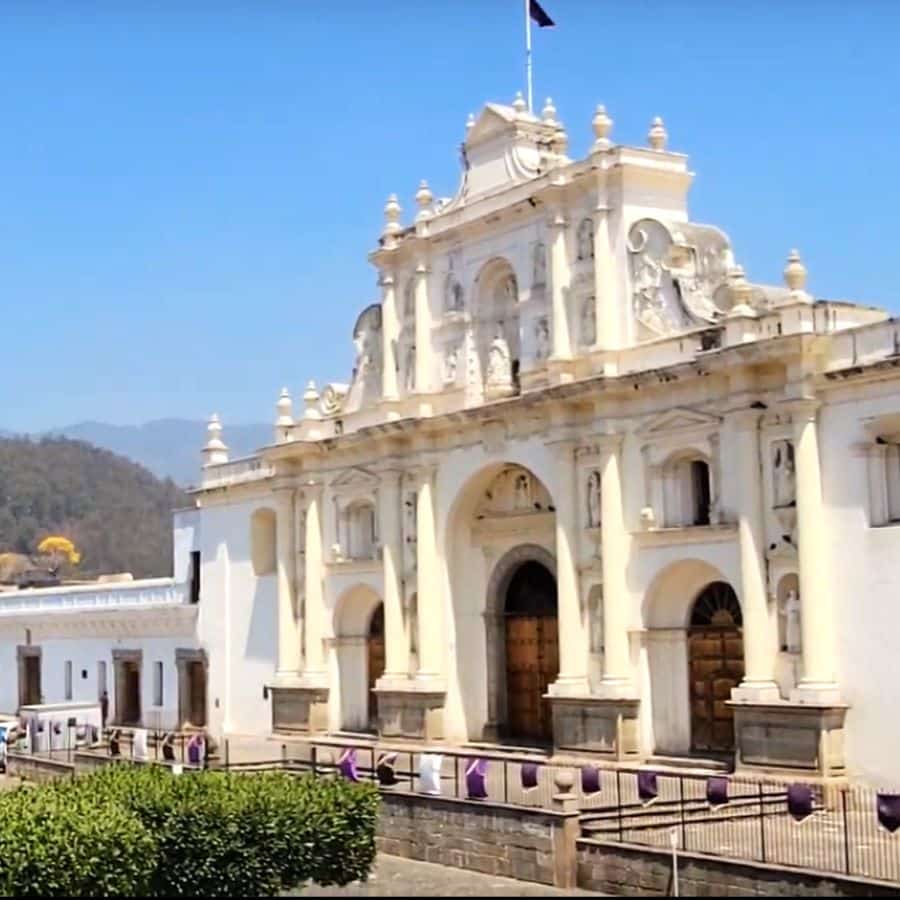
588 487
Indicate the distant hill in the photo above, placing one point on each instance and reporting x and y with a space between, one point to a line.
117 513
170 448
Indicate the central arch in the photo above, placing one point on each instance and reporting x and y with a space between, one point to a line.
359 645
522 644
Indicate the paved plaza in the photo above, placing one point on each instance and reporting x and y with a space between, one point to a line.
396 877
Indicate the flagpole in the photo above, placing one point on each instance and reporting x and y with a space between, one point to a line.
528 74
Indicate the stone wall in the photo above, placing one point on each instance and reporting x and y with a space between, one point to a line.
627 870
37 768
517 842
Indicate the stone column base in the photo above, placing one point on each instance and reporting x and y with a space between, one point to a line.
299 709
789 737
410 713
596 725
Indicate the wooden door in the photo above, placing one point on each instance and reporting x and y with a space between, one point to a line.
716 666
532 664
32 693
197 676
376 661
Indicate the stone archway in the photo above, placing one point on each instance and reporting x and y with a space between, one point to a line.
356 627
495 617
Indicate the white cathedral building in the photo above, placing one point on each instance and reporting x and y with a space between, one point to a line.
588 487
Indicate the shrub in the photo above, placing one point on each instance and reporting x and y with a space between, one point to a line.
127 830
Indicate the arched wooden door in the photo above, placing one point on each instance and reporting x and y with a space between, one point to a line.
532 651
375 660
716 664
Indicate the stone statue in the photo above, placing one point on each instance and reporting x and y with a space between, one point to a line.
453 295
588 322
585 239
593 499
539 272
541 339
791 622
499 367
509 291
784 482
451 362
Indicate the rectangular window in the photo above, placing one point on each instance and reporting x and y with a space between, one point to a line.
68 687
157 684
195 576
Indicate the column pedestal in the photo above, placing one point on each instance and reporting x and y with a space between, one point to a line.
299 710
590 724
410 711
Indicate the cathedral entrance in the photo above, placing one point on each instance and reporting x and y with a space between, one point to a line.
375 661
532 651
715 666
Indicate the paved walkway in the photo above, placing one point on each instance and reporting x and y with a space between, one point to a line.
396 877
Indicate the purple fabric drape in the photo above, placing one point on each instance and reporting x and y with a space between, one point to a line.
888 807
347 764
476 779
385 769
647 787
799 801
590 779
717 790
529 775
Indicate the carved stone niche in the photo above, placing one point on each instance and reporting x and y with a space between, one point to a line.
514 492
355 496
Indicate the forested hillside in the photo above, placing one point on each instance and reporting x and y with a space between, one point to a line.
117 513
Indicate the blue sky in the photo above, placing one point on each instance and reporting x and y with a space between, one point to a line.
188 190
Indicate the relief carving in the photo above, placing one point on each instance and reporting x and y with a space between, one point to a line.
541 339
593 500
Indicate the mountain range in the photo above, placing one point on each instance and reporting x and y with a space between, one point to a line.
170 448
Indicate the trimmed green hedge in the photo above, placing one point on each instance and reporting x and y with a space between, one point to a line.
140 831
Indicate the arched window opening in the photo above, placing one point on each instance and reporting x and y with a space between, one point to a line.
688 492
361 535
717 606
263 541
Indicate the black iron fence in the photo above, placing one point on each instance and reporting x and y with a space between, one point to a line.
852 830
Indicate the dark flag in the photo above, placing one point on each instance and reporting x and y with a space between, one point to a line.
539 15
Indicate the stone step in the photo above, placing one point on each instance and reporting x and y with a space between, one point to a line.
688 765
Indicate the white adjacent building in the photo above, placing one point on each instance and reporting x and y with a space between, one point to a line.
588 486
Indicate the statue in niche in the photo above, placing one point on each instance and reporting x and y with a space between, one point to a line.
453 295
588 322
542 339
596 614
451 363
508 291
593 499
499 367
410 372
585 240
791 615
784 480
521 492
539 266
409 299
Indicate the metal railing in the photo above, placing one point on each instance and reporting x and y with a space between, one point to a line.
840 834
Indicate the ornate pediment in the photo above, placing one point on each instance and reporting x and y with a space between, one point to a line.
675 421
354 481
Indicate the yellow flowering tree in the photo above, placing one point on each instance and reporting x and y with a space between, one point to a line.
58 551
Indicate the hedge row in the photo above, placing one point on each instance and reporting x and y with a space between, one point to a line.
140 831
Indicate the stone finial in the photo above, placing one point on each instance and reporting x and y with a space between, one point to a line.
795 273
392 216
602 125
311 402
657 136
519 104
741 292
548 113
285 421
564 780
470 122
424 199
214 451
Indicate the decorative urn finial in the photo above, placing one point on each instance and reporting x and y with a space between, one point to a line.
392 216
311 401
602 125
470 122
657 136
519 104
548 113
285 421
215 451
795 273
424 198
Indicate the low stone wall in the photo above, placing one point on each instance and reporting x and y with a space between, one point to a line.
38 768
513 841
631 870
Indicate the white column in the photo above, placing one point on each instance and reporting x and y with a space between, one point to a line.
390 331
559 270
617 676
423 330
288 665
390 527
432 637
760 643
573 642
818 684
604 282
315 672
